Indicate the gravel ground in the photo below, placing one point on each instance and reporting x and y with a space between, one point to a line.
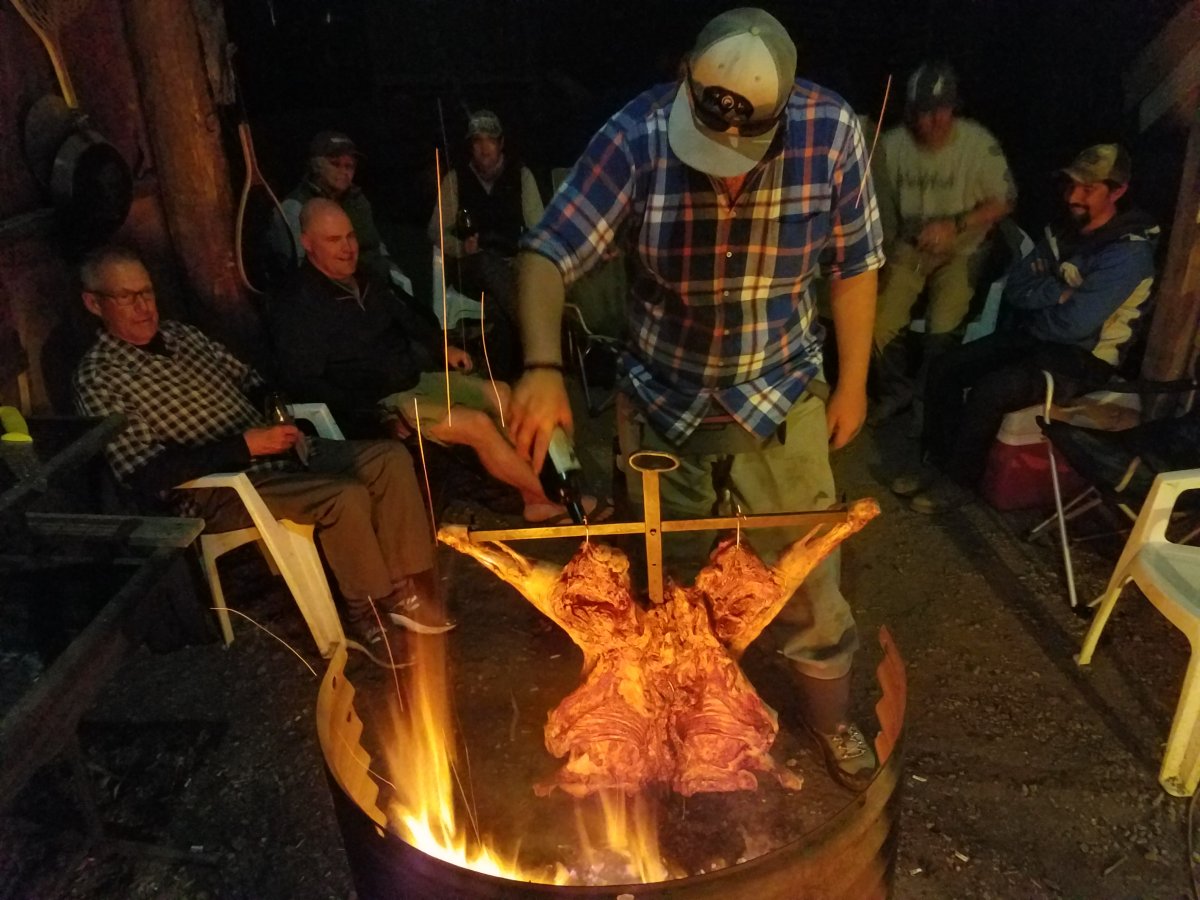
1026 776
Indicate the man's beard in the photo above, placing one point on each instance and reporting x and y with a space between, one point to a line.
1076 218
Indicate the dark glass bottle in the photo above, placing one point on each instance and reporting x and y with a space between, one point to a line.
464 225
562 475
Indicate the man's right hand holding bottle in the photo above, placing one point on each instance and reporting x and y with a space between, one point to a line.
271 440
539 405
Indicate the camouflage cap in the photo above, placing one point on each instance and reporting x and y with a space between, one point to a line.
1101 162
484 121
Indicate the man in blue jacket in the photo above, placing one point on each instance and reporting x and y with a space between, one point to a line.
1072 305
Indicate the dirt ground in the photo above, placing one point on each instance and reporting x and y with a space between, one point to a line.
1026 777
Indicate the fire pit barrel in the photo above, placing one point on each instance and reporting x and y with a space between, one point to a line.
850 855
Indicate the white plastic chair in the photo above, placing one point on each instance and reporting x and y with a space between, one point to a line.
1169 575
289 546
458 306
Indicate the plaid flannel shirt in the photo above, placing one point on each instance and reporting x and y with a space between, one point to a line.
720 307
191 397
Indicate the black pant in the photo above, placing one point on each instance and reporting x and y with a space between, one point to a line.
974 386
488 272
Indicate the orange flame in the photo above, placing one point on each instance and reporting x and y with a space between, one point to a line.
618 835
422 757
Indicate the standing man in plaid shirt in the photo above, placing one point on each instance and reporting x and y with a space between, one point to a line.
189 411
726 191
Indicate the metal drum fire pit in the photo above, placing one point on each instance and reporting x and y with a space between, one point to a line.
851 855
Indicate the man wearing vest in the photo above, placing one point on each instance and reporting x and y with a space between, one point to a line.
486 204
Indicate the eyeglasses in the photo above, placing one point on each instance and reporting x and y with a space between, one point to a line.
720 109
127 298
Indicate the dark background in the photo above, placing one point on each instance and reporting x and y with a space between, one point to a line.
1044 75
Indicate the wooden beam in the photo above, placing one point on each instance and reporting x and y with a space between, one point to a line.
1166 74
1179 92
1162 55
1171 345
132 531
193 173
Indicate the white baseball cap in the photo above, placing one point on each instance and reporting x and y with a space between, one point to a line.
739 78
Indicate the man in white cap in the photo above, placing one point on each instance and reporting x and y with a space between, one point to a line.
724 191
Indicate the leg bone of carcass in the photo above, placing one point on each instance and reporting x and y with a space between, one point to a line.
742 611
533 578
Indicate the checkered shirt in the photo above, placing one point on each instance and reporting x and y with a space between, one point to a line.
190 397
720 307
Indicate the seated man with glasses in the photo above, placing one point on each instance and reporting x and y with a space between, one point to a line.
191 409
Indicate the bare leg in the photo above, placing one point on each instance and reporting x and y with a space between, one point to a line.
475 429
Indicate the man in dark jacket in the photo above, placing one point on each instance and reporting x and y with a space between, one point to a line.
332 164
486 204
346 340
1072 306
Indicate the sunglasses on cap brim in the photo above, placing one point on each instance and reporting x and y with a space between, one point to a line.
720 109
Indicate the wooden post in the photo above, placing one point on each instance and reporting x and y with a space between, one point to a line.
193 173
1172 340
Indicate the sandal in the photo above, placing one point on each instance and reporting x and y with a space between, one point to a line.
601 511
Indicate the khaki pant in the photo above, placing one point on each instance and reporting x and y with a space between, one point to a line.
908 272
773 477
363 498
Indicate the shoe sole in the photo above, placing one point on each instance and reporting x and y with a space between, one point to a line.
907 490
419 627
352 644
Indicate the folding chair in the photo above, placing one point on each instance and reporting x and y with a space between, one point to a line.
1118 464
595 357
289 546
1010 243
459 307
1169 575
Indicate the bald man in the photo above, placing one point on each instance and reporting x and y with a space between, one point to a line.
347 340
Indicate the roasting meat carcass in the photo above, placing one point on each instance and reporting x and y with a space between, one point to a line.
745 594
663 698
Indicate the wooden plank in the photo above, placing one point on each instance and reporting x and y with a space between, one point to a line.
671 526
1171 345
1178 91
135 531
44 720
80 450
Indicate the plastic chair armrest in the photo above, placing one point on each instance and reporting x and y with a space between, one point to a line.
239 482
321 417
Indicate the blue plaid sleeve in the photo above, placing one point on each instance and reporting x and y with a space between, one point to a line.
580 226
856 236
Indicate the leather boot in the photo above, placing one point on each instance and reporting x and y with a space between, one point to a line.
825 704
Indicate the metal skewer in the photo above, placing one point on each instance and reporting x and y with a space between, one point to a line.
651 463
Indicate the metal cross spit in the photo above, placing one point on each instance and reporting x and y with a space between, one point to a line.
651 463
